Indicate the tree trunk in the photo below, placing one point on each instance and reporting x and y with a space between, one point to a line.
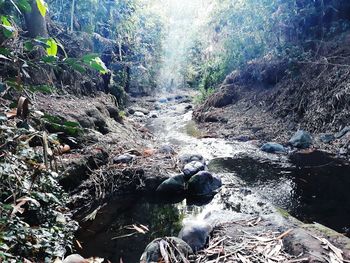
35 22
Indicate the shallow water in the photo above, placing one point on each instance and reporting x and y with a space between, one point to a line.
253 183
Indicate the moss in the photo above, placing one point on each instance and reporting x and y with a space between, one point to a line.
283 212
192 129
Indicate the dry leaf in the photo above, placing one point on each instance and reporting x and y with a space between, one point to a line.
149 152
23 107
11 114
22 201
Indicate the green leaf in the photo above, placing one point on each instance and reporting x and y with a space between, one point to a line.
89 57
49 59
45 89
24 5
75 64
71 124
28 45
95 62
5 51
52 47
42 6
8 29
98 64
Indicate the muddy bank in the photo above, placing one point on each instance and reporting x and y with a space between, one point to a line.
270 99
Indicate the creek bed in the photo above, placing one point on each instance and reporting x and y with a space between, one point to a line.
253 183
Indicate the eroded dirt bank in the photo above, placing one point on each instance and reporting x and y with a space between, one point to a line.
271 98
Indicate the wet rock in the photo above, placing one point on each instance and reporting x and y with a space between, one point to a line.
300 242
154 115
166 149
188 107
272 147
344 131
327 138
173 185
192 168
163 100
152 252
139 114
151 183
203 183
179 97
157 107
124 158
301 139
187 158
75 258
134 110
196 234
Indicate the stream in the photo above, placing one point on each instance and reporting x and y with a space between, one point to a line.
254 184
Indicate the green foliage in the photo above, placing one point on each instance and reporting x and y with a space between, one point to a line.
34 222
95 62
42 6
203 94
57 124
8 28
52 47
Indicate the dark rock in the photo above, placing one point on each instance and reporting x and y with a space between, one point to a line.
272 147
196 234
98 120
157 107
131 111
173 185
124 158
192 168
187 158
152 252
86 122
188 107
179 97
166 149
114 113
151 183
154 115
242 138
203 183
301 139
327 138
344 131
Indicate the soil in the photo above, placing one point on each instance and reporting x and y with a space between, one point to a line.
271 99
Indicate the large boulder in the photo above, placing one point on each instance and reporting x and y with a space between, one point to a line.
301 139
203 183
172 246
173 185
195 234
192 168
272 147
